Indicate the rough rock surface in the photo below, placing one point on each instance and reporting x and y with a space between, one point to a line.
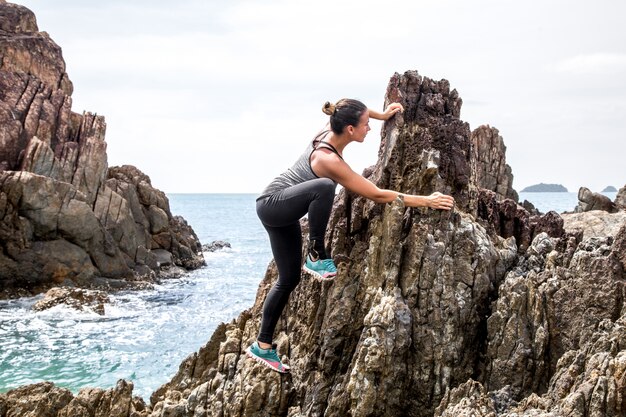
506 218
620 198
431 312
595 223
77 298
492 171
588 200
65 216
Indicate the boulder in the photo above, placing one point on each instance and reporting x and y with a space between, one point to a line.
215 246
620 198
79 299
588 200
492 171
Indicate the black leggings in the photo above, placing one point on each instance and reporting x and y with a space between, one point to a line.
280 213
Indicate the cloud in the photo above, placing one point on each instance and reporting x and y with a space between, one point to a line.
593 64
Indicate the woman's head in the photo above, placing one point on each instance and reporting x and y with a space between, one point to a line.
346 112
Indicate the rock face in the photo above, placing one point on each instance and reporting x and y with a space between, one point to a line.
620 198
65 217
588 200
492 171
431 313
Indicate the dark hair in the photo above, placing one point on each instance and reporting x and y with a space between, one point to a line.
346 112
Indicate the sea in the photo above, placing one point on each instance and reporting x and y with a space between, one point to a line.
144 335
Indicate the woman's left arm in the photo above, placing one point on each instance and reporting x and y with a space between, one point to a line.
391 109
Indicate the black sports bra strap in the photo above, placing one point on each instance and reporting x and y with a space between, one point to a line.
322 144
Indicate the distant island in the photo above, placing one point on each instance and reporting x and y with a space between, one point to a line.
610 189
545 188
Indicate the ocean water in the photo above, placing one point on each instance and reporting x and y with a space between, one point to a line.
559 202
144 335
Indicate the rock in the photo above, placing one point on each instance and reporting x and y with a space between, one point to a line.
492 171
508 219
215 246
47 400
79 299
483 310
469 399
596 223
588 200
65 216
609 189
620 198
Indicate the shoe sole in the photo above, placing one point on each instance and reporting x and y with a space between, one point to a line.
318 275
261 361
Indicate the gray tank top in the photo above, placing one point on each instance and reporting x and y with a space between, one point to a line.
301 170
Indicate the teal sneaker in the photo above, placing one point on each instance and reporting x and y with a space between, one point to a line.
322 268
267 357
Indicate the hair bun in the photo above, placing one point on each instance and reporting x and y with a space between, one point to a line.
329 108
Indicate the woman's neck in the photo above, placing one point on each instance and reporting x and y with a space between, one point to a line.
338 141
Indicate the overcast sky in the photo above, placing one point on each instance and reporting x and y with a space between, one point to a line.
221 96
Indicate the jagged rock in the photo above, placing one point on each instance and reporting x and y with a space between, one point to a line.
76 298
65 217
596 223
469 399
620 198
47 400
506 218
588 200
492 171
552 303
430 312
215 246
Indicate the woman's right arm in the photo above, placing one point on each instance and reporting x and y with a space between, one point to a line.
332 167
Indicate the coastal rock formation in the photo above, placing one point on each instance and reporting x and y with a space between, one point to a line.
77 298
620 198
492 171
66 218
588 200
447 313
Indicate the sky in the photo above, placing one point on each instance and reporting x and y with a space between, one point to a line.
210 96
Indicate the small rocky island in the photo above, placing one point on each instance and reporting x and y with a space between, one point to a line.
609 189
545 188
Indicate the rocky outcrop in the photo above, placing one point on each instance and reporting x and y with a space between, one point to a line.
506 219
46 399
65 217
489 161
596 223
431 312
620 198
76 298
588 200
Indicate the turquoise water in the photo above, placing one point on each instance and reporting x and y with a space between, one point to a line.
144 335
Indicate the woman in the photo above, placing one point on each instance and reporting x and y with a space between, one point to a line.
309 187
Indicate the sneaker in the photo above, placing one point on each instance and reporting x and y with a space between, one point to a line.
322 268
267 357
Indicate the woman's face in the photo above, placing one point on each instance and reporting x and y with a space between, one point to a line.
360 130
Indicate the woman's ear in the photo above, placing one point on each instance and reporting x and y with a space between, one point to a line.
350 129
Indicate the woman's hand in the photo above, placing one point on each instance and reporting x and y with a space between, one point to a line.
440 201
392 109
